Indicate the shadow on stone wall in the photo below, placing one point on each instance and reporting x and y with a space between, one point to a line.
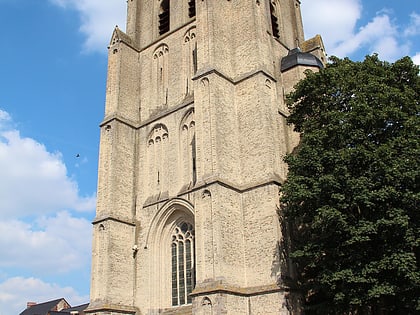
284 270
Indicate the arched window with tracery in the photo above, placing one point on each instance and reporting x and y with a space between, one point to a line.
183 271
157 160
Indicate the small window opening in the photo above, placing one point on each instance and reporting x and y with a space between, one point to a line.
274 21
194 55
194 167
164 17
191 8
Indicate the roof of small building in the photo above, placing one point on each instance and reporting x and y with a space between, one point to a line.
78 308
296 57
72 310
47 308
41 308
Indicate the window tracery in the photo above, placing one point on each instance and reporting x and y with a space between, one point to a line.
182 258
156 144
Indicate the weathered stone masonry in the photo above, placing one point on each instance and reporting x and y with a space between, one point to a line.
191 157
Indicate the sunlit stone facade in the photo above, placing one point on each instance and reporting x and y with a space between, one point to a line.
191 158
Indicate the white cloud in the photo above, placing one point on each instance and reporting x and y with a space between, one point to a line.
49 245
378 36
16 292
334 20
56 242
98 18
34 181
416 58
4 117
337 22
413 28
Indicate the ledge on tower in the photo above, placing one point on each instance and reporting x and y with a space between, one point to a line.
298 58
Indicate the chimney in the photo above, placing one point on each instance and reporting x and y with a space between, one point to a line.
30 304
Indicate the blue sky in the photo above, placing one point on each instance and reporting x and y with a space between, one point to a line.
53 61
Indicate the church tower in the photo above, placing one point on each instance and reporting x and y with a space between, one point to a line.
191 157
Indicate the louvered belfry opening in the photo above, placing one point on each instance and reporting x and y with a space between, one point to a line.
164 17
191 8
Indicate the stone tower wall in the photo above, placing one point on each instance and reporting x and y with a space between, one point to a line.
195 132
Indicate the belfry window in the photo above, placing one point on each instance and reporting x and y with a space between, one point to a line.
274 20
191 8
164 17
183 271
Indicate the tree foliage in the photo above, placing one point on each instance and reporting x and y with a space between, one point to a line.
351 200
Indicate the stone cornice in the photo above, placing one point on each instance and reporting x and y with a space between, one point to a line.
220 287
114 308
188 100
120 119
113 218
210 70
274 179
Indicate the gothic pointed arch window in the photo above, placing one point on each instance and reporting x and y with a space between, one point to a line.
182 263
190 58
164 17
170 241
275 29
157 143
188 147
160 74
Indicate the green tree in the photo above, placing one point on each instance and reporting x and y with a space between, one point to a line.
351 200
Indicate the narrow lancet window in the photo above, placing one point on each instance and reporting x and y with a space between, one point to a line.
164 17
160 78
183 274
174 275
193 158
194 55
189 154
274 21
190 58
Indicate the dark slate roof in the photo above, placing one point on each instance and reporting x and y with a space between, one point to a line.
78 308
68 311
41 308
298 58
